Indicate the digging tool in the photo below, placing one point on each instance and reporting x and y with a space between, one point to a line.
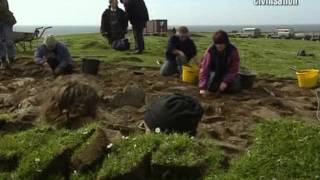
293 69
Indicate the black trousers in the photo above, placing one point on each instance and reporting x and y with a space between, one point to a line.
214 84
138 35
54 63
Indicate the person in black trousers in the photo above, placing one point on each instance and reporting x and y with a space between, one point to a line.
138 15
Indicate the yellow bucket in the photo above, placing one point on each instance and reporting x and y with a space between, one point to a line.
308 78
190 74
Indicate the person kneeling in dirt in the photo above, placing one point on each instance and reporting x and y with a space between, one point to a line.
55 55
220 67
174 114
181 49
114 23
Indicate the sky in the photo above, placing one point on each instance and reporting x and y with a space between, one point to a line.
178 12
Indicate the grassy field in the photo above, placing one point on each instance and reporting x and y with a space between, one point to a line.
264 56
282 149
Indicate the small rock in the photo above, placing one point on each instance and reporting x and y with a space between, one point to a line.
3 89
113 135
159 86
228 146
152 98
178 89
7 100
132 95
265 113
20 82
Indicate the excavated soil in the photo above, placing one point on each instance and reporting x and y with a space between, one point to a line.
229 119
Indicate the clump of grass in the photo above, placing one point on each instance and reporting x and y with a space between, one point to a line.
181 150
35 149
36 162
5 117
283 149
127 155
186 157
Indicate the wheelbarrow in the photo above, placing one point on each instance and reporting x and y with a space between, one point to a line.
24 38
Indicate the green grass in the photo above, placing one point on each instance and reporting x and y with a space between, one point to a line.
183 151
283 149
264 56
35 149
127 155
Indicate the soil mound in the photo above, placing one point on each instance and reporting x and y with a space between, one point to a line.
71 105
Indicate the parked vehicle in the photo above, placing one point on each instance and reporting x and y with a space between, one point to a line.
25 38
285 33
315 37
250 33
302 36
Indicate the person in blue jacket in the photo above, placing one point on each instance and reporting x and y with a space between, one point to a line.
55 55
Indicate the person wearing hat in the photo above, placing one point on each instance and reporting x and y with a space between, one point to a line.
220 67
55 55
7 47
181 49
138 16
114 23
175 113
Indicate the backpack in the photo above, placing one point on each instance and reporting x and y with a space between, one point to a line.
121 45
175 113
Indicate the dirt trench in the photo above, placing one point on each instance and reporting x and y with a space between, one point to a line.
229 119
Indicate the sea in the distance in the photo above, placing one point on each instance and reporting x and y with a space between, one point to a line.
67 30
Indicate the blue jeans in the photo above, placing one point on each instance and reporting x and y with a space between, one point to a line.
7 47
173 66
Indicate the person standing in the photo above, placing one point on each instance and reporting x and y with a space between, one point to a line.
7 47
138 16
114 23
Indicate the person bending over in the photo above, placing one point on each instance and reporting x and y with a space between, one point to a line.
220 67
55 55
175 113
114 23
181 49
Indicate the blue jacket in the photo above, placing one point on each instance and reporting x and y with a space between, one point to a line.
61 53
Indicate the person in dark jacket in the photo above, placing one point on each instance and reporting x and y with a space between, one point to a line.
181 49
54 55
114 23
7 47
138 16
220 67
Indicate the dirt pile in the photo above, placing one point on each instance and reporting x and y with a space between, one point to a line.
70 103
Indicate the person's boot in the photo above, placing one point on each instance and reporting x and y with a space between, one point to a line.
12 60
4 63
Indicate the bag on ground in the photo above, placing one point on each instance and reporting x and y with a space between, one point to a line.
121 45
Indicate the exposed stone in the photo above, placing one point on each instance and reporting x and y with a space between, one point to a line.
265 113
7 100
132 95
20 82
159 86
